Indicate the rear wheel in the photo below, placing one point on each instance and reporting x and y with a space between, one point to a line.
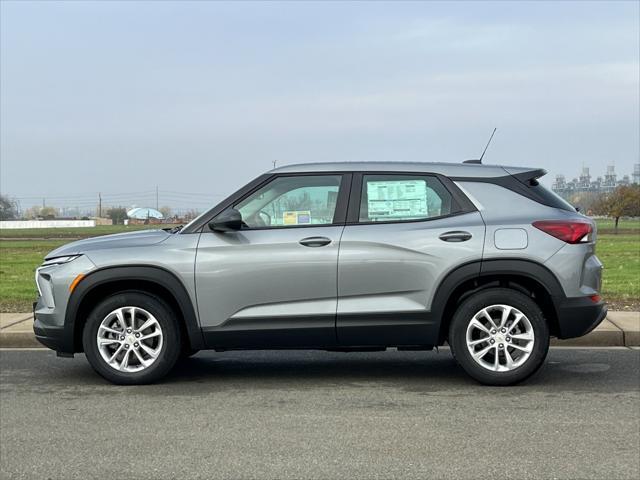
499 336
132 338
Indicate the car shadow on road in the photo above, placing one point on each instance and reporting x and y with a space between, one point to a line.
564 371
328 367
583 371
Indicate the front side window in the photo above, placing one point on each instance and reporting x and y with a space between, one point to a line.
399 197
295 201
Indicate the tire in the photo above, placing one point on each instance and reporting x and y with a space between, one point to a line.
151 355
465 336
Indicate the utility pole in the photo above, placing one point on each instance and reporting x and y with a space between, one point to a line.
99 205
156 197
43 203
274 163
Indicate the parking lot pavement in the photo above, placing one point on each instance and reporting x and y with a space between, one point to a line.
322 415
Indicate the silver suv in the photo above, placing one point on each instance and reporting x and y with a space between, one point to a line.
339 256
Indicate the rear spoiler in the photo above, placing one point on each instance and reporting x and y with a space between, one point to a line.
528 177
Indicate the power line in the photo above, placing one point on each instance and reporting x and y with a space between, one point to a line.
148 193
83 195
195 193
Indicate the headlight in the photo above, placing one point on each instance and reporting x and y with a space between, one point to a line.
59 260
45 276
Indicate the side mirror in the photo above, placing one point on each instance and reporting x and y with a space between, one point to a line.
227 221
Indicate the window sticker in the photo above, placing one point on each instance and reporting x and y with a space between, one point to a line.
304 217
397 199
296 217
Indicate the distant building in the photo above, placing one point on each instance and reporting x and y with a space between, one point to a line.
585 184
143 216
144 213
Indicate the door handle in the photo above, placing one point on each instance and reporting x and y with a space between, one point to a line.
315 241
457 236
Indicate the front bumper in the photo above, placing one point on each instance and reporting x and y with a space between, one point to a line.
50 326
50 330
578 316
51 337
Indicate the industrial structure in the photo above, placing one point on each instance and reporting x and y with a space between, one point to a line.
585 184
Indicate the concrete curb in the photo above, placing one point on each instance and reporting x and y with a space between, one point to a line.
16 331
629 323
619 329
19 340
606 335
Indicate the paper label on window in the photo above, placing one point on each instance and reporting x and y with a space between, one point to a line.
296 217
304 217
397 199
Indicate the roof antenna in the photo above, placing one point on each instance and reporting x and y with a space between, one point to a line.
479 160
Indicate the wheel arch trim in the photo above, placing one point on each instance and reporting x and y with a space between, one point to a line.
159 276
479 269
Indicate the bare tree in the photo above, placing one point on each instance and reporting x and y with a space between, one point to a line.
8 208
166 211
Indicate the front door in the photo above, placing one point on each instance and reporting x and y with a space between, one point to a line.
274 282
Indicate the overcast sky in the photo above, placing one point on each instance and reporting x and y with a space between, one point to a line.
201 97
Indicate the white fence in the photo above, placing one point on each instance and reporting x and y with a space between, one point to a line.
8 224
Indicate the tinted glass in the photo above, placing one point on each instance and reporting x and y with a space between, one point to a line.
547 197
292 202
389 198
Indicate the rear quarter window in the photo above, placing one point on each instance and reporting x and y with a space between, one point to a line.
549 198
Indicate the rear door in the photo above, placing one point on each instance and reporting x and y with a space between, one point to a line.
404 233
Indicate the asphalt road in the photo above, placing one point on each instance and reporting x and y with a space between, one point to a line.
321 415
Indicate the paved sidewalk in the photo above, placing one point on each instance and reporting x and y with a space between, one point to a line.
619 329
16 331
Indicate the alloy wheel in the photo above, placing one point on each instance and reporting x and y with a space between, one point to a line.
500 338
129 339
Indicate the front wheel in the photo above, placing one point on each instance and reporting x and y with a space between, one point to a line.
132 338
499 336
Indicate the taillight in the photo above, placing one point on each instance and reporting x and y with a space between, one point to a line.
570 232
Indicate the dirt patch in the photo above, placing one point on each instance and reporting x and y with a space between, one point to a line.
623 305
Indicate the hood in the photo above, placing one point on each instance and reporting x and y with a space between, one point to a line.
141 238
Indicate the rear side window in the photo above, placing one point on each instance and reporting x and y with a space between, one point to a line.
398 197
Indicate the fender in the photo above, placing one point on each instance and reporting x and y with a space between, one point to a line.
448 285
478 269
153 274
526 268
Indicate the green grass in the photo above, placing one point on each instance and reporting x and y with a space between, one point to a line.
620 255
607 225
18 261
20 255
